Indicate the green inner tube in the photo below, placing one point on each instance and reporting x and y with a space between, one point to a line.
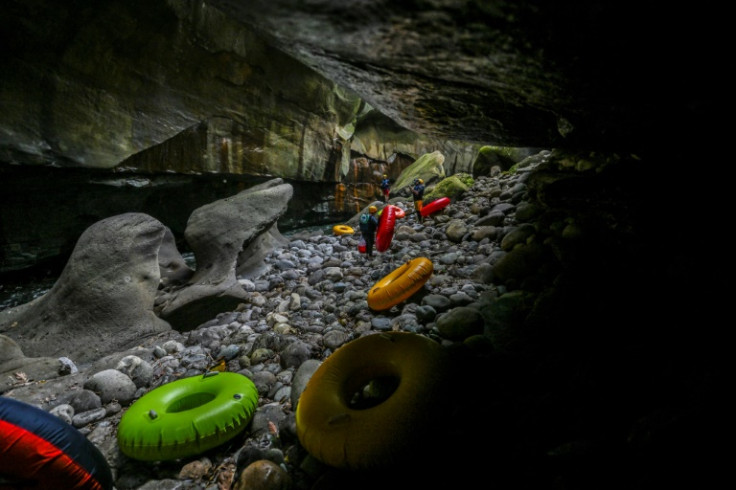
187 417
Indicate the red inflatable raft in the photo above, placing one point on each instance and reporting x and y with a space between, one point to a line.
434 206
400 213
386 224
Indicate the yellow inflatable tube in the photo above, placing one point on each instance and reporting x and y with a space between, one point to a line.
342 230
340 432
400 284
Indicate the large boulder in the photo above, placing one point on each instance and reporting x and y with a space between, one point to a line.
428 167
453 186
103 300
220 234
489 157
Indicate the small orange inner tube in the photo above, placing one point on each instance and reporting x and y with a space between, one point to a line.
400 284
342 230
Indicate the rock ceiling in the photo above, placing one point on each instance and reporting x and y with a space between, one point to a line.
581 74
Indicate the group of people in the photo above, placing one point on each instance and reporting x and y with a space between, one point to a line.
417 191
369 221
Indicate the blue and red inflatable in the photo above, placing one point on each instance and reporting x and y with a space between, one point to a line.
40 451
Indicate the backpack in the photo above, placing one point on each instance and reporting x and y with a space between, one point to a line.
364 220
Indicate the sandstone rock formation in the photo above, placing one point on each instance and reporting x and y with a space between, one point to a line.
219 234
108 298
103 299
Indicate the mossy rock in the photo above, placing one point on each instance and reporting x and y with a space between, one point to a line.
428 167
489 157
453 187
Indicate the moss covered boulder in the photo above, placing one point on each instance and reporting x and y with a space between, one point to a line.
428 167
453 186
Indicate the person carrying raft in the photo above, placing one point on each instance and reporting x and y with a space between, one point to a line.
418 195
368 226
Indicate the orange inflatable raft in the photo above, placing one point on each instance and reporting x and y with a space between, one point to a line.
400 284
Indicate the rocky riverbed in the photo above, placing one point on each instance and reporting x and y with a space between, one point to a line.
551 388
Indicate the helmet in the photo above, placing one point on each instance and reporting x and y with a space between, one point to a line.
372 209
384 176
420 181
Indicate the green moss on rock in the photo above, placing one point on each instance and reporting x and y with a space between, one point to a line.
428 167
452 187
